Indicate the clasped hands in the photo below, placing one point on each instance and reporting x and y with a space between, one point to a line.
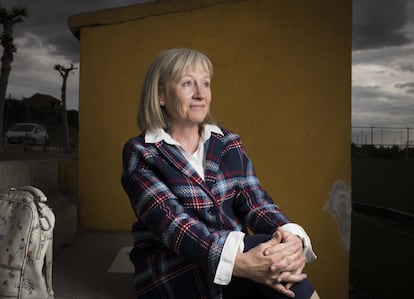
277 263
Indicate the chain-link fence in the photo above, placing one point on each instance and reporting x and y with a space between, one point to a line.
383 142
401 137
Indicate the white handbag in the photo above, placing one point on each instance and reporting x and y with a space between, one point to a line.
26 244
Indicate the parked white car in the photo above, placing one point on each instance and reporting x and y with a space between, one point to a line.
28 133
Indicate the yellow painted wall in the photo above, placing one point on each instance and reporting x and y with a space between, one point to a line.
282 81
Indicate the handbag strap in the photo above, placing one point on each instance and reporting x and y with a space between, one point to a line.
38 195
48 265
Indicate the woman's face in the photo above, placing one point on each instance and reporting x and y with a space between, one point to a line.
187 101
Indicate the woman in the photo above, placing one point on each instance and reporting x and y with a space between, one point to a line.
195 194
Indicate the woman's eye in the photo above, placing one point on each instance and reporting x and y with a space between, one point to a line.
187 83
206 84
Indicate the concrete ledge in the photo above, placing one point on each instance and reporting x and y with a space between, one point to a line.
43 174
15 173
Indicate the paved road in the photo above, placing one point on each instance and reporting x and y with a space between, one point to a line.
35 153
381 258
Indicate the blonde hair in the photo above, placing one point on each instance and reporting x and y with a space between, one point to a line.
167 67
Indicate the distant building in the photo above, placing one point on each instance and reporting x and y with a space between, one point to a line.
42 108
43 100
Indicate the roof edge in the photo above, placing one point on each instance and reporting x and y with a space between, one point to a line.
135 12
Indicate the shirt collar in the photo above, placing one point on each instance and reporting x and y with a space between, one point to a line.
157 135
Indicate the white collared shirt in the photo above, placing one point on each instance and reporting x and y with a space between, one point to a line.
196 159
234 241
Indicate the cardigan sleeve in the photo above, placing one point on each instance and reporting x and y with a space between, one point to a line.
161 212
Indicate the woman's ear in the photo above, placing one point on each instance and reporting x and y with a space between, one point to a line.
161 99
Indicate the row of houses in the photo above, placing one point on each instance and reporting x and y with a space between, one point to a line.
41 108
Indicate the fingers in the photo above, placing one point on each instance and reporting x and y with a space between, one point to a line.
288 236
289 246
289 277
288 285
275 240
289 280
278 236
287 262
283 290
286 256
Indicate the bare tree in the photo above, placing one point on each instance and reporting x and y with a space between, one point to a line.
8 18
64 72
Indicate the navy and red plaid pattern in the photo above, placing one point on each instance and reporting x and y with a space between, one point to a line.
184 221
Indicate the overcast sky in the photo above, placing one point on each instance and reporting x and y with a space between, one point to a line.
383 69
43 40
383 55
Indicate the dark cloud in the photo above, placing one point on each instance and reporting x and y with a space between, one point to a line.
367 92
408 87
47 20
44 39
374 106
405 67
382 63
380 26
380 23
404 85
395 56
379 95
387 113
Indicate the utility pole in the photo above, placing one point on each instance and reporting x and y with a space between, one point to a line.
64 73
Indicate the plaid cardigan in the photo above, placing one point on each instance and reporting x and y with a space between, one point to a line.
183 221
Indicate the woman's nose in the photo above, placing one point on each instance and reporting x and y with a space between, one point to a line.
199 92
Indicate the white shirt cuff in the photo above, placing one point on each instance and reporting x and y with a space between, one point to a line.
307 245
234 243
